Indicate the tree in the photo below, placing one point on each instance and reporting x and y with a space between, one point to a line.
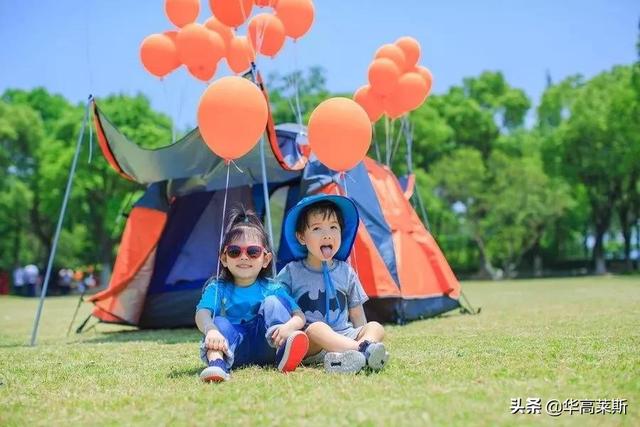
21 133
287 92
460 179
597 146
522 203
45 130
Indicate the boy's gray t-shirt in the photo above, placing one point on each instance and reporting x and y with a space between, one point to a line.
307 288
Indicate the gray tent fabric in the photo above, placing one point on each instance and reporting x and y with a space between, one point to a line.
188 163
191 264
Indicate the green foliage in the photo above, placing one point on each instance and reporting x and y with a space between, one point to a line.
495 192
522 202
491 91
309 89
593 140
39 132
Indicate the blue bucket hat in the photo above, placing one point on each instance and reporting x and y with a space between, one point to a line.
350 219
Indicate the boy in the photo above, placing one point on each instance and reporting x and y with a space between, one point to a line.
320 231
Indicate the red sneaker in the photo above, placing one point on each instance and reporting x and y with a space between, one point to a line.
290 354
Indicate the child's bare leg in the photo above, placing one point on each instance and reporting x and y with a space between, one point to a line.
321 336
214 355
372 332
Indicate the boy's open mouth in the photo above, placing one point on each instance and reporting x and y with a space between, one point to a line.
327 251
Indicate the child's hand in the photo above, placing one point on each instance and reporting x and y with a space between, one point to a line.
214 340
281 334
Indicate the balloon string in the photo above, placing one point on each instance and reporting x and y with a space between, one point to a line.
375 142
260 33
168 104
181 98
236 166
409 132
352 256
224 210
343 175
392 130
386 140
295 83
396 144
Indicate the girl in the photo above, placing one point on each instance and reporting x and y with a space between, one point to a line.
245 317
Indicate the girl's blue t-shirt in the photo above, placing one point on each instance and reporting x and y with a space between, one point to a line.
241 304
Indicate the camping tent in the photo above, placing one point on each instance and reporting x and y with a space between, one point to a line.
170 242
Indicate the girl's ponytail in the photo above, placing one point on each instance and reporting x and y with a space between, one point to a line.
243 217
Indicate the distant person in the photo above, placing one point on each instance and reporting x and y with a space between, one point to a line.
89 280
78 281
19 281
65 280
246 318
32 278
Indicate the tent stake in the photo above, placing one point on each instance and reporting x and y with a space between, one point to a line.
67 192
73 319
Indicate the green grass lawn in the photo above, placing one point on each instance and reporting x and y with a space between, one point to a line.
552 339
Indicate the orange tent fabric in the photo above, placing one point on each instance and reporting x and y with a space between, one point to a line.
139 240
422 268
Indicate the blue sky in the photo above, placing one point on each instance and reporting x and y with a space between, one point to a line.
77 47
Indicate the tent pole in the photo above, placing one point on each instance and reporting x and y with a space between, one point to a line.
265 193
56 236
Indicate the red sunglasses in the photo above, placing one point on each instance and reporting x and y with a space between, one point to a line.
252 251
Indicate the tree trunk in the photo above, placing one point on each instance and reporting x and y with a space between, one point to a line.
624 215
598 253
537 259
585 243
601 218
486 268
638 237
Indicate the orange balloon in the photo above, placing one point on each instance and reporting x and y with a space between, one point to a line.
232 115
204 72
383 76
266 34
411 49
339 133
296 16
222 30
199 46
240 54
371 103
426 75
173 35
159 55
231 13
266 3
182 12
392 52
410 93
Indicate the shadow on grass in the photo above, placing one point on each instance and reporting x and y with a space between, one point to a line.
165 336
185 372
15 345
